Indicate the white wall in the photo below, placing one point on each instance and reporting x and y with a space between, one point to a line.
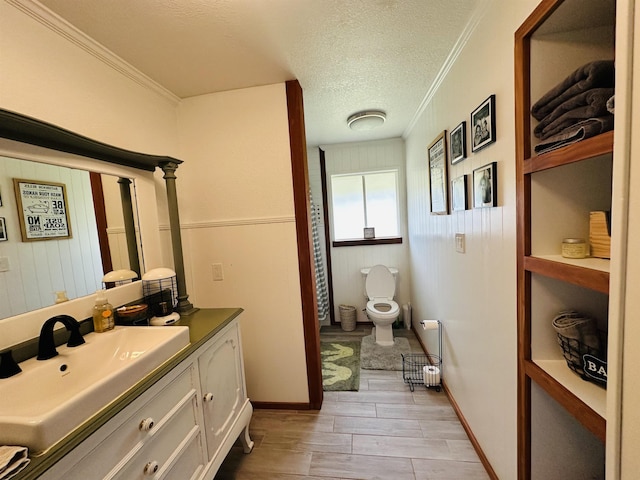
474 294
238 211
346 262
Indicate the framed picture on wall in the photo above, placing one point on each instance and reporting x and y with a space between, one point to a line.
485 186
483 124
42 210
3 230
459 199
438 179
458 143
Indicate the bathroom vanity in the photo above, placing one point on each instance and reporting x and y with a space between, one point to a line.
178 422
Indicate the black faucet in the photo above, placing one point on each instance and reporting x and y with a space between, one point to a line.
46 345
8 366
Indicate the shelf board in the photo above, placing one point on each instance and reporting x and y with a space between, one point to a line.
589 148
592 273
584 400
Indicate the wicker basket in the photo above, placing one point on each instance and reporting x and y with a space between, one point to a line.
348 318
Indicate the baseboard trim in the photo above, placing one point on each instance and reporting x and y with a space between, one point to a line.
281 406
463 421
472 437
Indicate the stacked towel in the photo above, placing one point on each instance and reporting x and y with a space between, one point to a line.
581 334
12 461
576 108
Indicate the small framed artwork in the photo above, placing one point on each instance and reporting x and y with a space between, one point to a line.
483 124
459 197
369 232
458 143
438 179
3 230
42 210
485 186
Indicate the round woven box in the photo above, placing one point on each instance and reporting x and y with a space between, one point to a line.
347 318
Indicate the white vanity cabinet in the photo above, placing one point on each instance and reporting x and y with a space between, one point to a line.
222 383
181 428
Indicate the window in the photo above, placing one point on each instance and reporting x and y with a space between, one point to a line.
365 200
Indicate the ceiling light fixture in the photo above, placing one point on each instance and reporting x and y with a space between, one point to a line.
366 120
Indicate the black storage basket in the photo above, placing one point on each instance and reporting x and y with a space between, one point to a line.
413 369
584 360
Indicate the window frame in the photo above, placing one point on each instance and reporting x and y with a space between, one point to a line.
351 242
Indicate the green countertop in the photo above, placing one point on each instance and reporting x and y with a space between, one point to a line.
203 324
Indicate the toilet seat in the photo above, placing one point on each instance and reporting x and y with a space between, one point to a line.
383 308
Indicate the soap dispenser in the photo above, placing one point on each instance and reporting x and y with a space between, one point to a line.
103 319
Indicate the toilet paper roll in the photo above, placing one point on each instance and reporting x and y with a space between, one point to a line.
431 375
429 324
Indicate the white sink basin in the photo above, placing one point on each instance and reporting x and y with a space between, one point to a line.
49 398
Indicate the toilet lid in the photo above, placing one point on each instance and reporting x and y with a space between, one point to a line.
380 283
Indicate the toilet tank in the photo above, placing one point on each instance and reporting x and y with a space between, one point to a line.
365 272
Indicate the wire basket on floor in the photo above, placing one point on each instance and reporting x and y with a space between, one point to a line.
422 369
348 317
584 360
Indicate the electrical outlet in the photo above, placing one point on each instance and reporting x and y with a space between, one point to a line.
460 243
218 273
4 264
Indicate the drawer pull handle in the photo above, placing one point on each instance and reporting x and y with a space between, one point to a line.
208 397
151 468
146 424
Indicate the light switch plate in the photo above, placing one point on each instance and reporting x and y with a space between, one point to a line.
218 273
4 264
460 243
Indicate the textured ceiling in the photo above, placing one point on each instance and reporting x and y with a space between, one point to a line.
348 55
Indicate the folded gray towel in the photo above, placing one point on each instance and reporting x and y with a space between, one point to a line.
598 74
589 104
580 131
581 333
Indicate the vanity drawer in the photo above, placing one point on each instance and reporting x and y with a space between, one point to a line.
129 435
157 455
189 461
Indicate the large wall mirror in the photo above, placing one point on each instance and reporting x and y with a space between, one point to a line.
34 150
35 270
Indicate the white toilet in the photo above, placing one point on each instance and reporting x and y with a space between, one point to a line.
380 288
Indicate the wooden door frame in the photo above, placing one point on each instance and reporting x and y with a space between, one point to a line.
300 176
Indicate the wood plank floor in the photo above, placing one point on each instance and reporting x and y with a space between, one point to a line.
384 431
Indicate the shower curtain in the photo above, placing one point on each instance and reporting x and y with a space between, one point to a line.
321 285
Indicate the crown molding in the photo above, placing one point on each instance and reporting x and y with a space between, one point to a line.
60 26
470 27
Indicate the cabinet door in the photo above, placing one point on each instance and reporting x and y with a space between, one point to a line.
222 386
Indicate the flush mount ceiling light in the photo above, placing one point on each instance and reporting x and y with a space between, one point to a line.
366 120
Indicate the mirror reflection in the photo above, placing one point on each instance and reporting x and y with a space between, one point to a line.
37 273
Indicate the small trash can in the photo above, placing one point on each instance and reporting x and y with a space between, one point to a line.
348 318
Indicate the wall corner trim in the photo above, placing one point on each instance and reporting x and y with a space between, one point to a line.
70 33
470 27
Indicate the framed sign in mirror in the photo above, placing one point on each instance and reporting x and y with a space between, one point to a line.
42 210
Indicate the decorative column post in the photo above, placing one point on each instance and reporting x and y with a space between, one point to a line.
129 224
169 169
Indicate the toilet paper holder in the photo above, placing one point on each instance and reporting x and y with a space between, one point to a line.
424 368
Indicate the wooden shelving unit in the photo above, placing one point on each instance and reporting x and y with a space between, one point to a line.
554 198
